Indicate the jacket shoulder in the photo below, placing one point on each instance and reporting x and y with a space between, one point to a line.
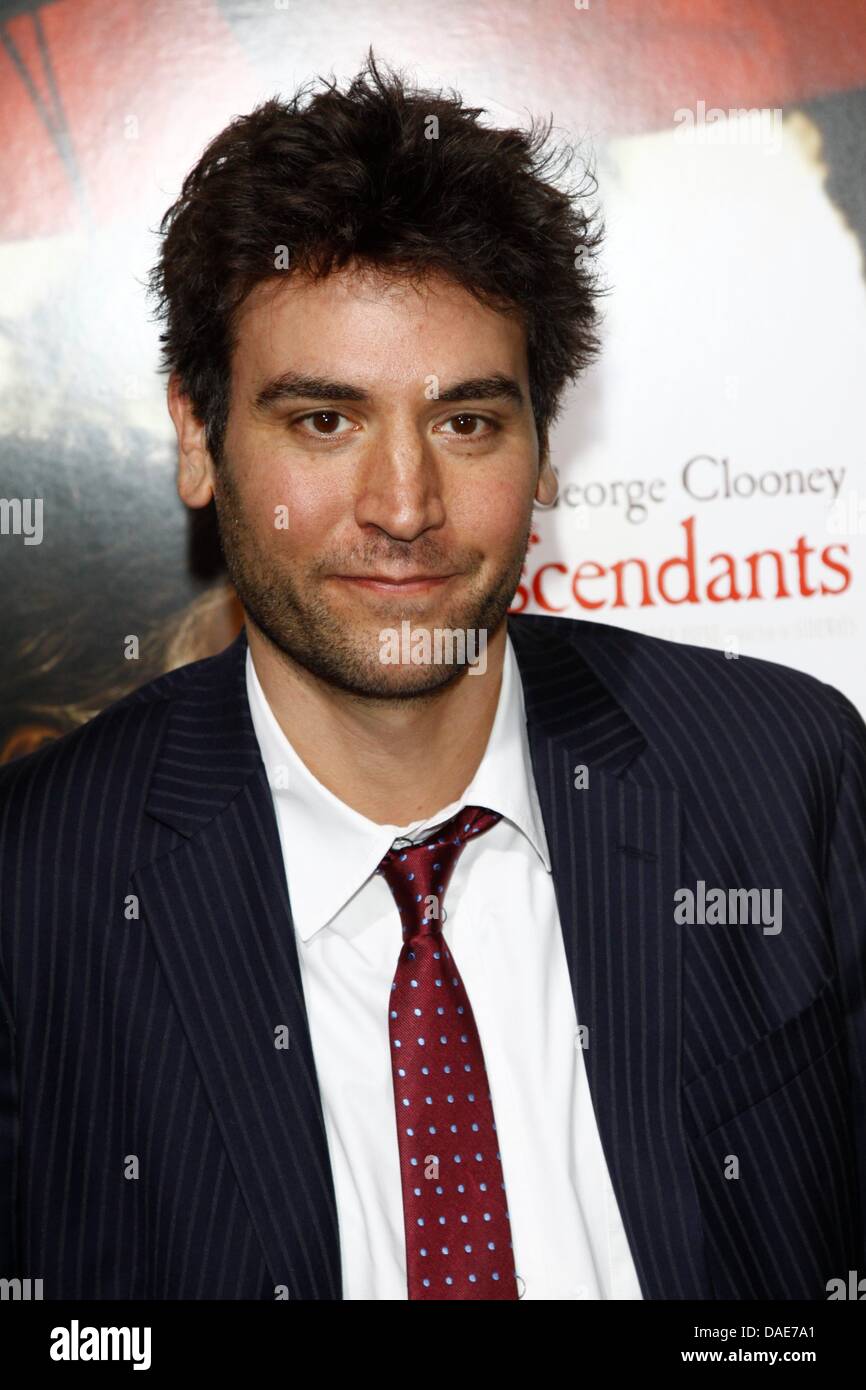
126 729
666 684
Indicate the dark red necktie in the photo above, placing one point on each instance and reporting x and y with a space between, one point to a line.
458 1235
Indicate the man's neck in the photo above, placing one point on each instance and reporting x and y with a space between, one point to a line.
393 762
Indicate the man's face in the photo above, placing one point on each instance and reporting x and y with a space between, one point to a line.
369 471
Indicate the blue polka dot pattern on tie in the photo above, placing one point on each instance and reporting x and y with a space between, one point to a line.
458 1235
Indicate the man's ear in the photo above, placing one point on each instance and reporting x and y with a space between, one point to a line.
195 468
547 487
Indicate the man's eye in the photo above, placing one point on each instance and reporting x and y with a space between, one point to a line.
324 424
327 419
466 422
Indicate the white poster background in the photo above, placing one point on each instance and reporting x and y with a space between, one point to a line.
734 329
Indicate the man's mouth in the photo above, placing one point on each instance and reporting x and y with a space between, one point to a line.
388 584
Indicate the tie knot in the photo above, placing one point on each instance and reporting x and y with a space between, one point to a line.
418 875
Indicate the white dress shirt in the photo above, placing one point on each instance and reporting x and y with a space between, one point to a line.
502 927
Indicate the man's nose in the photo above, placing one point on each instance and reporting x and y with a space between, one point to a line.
400 486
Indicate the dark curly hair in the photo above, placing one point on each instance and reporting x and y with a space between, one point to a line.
404 180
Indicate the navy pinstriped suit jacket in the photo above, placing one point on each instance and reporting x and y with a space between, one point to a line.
153 1036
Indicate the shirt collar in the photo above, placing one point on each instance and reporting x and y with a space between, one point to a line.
311 816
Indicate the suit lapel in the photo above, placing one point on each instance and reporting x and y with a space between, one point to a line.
218 909
615 853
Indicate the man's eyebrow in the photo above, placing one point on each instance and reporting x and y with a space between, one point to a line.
294 385
484 388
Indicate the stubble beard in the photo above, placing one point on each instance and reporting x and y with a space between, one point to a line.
309 632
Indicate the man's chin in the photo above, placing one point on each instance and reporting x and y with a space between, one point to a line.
375 680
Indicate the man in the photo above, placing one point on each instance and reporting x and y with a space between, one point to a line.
358 963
